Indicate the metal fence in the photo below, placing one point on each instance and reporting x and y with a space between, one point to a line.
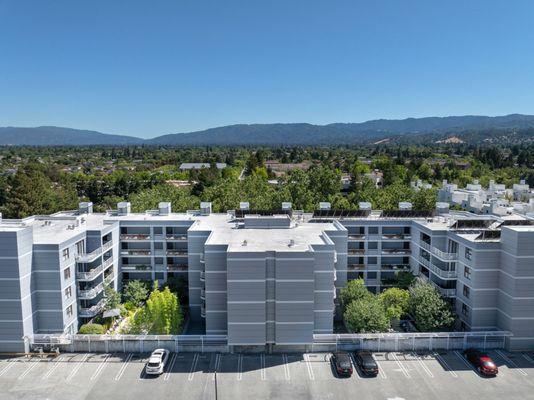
128 343
417 341
426 341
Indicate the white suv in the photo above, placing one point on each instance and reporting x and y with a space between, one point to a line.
156 362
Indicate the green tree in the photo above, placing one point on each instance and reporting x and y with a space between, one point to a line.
135 292
366 315
113 298
429 310
354 291
396 302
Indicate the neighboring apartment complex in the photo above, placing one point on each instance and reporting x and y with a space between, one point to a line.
263 277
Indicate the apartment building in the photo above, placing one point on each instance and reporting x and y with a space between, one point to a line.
263 277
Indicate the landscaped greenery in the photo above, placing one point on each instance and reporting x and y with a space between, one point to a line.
364 311
91 329
135 293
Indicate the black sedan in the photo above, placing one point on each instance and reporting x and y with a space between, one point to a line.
342 364
366 363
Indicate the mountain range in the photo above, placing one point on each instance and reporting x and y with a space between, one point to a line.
471 129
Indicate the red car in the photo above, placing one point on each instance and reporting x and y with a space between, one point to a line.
482 362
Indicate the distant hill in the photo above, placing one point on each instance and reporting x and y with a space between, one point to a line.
514 128
56 136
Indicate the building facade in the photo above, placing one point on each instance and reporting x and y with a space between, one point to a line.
263 277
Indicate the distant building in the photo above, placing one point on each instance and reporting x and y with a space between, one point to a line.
377 177
190 166
280 169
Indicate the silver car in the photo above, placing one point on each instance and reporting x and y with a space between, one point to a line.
156 362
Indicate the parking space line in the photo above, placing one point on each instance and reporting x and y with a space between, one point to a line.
286 367
170 367
263 373
217 365
381 371
467 363
402 367
32 365
77 367
422 364
511 362
193 367
525 356
446 365
240 367
9 365
49 373
309 367
101 367
123 367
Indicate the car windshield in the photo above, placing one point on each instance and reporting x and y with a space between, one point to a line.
153 364
488 364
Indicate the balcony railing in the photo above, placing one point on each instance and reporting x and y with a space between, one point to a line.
109 278
176 267
445 292
107 262
106 246
353 267
442 273
356 237
203 311
353 252
396 251
135 236
90 293
89 257
202 276
394 267
136 267
89 312
202 294
437 252
173 252
176 236
396 236
135 252
89 275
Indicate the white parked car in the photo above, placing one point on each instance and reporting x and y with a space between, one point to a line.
156 362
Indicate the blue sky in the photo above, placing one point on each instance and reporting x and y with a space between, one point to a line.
147 68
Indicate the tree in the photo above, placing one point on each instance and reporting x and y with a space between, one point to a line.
135 292
366 315
396 302
113 298
354 291
91 329
429 310
405 279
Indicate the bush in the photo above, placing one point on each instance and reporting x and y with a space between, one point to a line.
91 329
366 315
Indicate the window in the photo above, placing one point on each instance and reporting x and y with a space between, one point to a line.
372 245
371 275
467 272
465 310
69 311
466 291
373 230
372 260
68 293
66 273
158 230
468 253
65 254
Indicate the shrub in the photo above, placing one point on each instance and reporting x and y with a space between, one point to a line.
91 329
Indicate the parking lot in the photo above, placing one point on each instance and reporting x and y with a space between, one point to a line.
262 376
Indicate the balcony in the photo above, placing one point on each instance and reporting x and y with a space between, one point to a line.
392 252
355 267
202 294
176 236
89 275
395 236
203 311
445 292
109 278
135 236
106 246
395 267
353 252
202 276
90 293
136 267
135 252
442 255
175 252
176 267
89 257
107 263
90 312
356 237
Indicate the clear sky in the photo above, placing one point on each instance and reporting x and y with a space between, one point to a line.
147 68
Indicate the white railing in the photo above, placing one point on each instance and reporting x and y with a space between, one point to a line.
90 293
108 279
88 257
92 311
172 252
135 236
134 252
107 262
106 246
442 273
444 255
89 275
176 237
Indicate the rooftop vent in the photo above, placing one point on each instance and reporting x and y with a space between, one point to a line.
244 243
123 208
85 207
324 205
205 208
244 205
405 205
286 205
291 243
364 205
442 208
164 208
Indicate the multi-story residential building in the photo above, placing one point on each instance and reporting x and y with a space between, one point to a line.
263 277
